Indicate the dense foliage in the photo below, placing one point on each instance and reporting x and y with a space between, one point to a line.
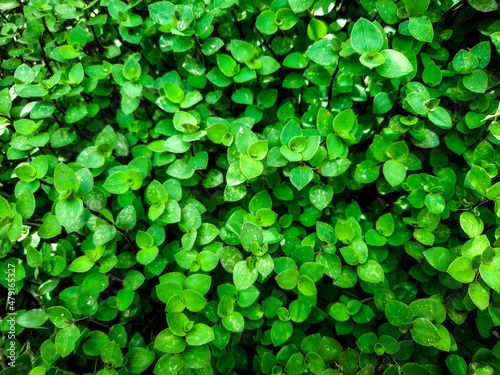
266 187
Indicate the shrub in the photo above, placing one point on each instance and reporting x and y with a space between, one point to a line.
287 187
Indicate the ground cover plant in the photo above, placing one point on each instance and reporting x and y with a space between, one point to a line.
249 187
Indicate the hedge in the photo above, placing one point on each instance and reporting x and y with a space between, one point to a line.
250 187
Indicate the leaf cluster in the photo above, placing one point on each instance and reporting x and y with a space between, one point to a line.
267 187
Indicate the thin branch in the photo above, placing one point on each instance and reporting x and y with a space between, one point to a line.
87 17
4 17
50 32
44 55
35 295
330 87
145 105
28 349
268 47
2 358
238 26
109 222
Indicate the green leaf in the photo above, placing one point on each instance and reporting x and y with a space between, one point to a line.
322 53
300 5
66 340
194 301
416 7
227 65
258 150
385 225
26 172
306 286
424 332
394 172
265 265
395 64
344 232
242 96
490 275
441 118
366 37
301 176
146 256
180 169
241 50
456 364
24 73
234 322
185 122
243 276
32 318
371 272
461 270
295 60
5 102
493 192
112 354
432 75
316 29
250 233
250 168
268 65
477 81
388 11
321 196
464 62
299 310
472 225
190 217
334 168
75 113
266 217
295 364
211 46
372 60
118 183
26 126
421 29
484 5
132 70
81 264
339 312
439 257
68 211
266 22
200 334
218 78
318 75
138 360
288 279
156 192
366 172
76 74
397 313
60 316
174 93
50 227
281 332
26 204
479 295
65 179
286 18
167 342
